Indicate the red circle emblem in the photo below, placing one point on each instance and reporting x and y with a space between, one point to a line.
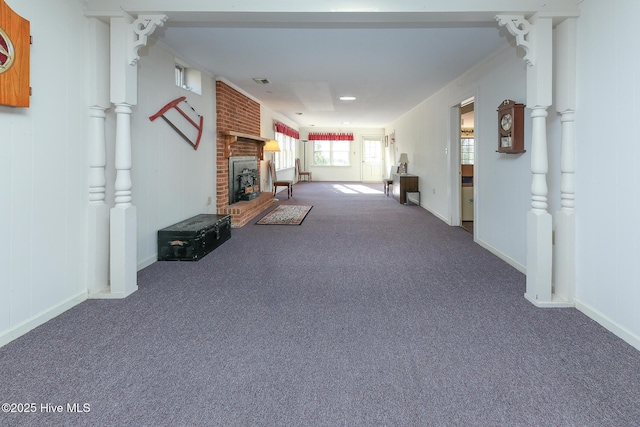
7 52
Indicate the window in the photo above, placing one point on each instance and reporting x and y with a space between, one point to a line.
188 78
331 153
372 150
286 157
287 140
180 76
467 143
467 151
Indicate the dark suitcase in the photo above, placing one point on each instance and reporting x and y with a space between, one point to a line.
193 238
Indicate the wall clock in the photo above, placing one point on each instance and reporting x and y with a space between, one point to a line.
510 127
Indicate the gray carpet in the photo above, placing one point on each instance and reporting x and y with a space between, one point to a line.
369 313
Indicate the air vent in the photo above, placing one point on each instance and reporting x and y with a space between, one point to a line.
261 80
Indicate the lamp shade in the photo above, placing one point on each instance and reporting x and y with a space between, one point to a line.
272 145
403 158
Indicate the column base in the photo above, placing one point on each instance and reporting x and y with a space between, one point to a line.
123 260
554 302
539 255
107 294
98 248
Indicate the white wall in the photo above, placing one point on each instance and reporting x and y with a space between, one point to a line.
607 153
44 167
171 180
43 174
607 285
353 172
502 182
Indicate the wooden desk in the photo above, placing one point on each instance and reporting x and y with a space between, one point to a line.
403 182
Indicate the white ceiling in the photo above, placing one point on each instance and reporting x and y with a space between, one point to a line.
388 70
391 55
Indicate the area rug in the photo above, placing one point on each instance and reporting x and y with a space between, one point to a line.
286 215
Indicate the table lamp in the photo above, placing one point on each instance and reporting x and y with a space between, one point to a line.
404 159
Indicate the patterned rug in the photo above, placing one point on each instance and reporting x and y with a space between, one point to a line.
286 215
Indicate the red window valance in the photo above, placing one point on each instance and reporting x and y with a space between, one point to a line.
286 130
330 136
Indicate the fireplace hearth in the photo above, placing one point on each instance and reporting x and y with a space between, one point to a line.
244 178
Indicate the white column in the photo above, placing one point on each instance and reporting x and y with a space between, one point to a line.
123 215
97 156
126 37
564 254
98 212
539 221
123 226
565 218
123 156
536 39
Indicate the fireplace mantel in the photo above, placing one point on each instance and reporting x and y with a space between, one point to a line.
232 137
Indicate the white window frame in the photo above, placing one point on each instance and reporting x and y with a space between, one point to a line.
332 149
467 151
187 77
179 75
285 158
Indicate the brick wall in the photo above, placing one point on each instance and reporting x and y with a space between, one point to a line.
235 112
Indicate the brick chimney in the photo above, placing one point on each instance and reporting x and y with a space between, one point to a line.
236 113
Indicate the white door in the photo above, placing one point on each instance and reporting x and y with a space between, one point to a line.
372 159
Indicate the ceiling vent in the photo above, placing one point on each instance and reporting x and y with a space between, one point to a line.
261 80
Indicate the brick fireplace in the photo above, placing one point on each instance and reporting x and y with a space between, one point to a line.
238 125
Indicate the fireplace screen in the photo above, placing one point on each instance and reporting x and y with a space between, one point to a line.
244 178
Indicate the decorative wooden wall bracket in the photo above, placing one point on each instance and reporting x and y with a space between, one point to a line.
142 28
174 105
519 28
231 137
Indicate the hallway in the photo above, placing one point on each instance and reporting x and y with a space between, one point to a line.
369 313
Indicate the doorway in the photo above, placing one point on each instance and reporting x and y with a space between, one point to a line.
467 161
371 159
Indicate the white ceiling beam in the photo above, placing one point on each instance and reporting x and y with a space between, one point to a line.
330 11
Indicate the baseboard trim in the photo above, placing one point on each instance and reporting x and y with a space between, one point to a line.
41 318
512 262
147 262
618 330
436 214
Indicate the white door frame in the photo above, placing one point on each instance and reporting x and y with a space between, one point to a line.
454 163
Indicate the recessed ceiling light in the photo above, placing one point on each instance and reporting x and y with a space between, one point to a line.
347 98
346 123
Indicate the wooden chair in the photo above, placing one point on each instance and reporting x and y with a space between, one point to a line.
388 182
301 173
276 183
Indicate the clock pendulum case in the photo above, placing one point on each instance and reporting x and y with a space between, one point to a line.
510 127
